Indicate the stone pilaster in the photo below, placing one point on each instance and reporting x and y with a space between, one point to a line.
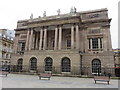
91 43
98 43
16 43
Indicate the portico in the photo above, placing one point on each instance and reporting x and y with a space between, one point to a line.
38 38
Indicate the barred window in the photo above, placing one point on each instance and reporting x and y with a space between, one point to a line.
33 64
96 66
48 64
65 64
21 46
68 43
89 43
94 43
19 65
100 42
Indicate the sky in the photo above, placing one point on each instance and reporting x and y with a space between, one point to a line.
13 10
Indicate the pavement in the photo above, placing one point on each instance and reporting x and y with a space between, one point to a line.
32 81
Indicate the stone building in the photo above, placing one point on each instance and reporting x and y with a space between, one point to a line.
6 48
74 43
117 57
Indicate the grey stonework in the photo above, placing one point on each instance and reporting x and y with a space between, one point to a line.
79 28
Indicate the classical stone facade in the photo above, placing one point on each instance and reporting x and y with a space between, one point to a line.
6 48
117 57
64 43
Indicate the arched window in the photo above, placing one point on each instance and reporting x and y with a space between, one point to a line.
65 65
33 63
96 66
48 64
19 64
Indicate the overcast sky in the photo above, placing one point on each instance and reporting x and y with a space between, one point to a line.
13 10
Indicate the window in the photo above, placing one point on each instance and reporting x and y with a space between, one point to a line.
2 55
100 42
94 43
89 43
53 43
19 65
48 64
6 56
96 66
33 64
21 46
68 43
65 64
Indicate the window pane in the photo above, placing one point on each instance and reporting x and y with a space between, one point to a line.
19 66
48 64
96 66
95 43
89 43
65 65
33 64
100 42
68 43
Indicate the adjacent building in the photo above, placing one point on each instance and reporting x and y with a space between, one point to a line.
117 57
75 43
6 48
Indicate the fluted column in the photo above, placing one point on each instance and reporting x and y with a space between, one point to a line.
45 39
72 37
77 37
41 36
31 39
60 38
56 35
27 40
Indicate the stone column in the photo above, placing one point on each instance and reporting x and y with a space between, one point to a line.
36 45
27 40
90 43
45 39
60 38
77 37
98 43
56 35
41 36
72 37
31 38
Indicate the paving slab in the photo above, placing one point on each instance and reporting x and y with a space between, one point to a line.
32 81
